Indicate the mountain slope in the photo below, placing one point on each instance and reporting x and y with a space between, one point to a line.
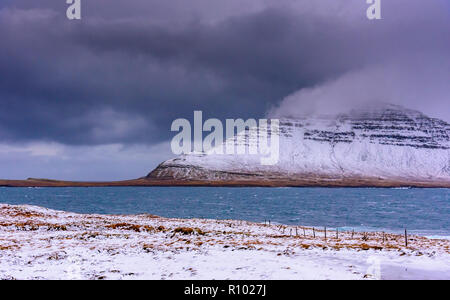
370 146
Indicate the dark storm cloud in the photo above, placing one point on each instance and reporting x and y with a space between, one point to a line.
122 74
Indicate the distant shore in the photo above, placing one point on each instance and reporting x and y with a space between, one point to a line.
306 182
39 243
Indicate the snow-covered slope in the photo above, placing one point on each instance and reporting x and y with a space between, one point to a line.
384 143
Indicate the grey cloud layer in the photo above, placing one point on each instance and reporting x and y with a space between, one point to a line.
124 72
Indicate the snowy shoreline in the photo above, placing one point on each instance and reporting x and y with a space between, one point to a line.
39 243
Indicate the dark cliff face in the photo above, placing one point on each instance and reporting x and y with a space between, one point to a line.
388 125
387 142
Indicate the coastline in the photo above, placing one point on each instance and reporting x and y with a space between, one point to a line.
313 182
39 243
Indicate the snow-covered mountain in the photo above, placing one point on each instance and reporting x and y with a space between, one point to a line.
382 144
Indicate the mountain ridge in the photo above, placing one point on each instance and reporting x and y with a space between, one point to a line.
386 143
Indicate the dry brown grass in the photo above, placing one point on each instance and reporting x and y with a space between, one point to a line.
148 247
56 227
125 226
305 246
199 231
18 212
25 214
4 248
29 226
184 230
132 227
189 230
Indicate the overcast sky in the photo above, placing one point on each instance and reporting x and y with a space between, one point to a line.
94 99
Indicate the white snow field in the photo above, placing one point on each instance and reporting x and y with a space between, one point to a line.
38 243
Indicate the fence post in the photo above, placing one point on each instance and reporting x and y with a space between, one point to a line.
406 238
314 232
325 233
337 233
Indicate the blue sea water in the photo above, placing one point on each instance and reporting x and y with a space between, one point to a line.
421 211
